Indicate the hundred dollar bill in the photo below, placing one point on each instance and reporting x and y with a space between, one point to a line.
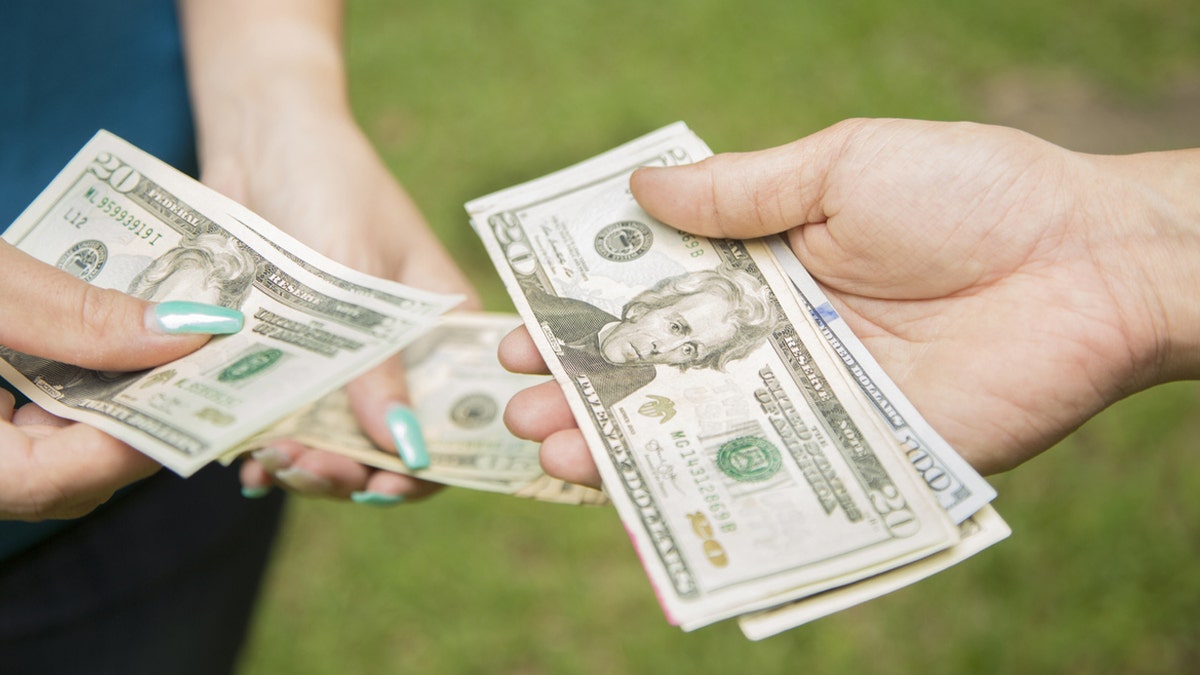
977 532
119 218
959 488
741 460
458 390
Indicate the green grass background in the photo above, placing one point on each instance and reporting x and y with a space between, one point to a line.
463 98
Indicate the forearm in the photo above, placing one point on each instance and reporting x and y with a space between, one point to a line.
254 65
1158 194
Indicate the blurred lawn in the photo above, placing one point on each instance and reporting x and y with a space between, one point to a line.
464 98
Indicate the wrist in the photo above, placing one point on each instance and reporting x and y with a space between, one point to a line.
1153 201
258 69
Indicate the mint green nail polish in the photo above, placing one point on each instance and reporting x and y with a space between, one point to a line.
375 498
407 433
255 492
180 316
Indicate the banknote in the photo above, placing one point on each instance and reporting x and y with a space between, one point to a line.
959 488
981 530
746 466
119 218
458 391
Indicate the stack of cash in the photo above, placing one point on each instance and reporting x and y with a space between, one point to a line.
763 464
120 218
459 392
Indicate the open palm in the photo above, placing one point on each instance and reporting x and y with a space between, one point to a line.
963 259
986 270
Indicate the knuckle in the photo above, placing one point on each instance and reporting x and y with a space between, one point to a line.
101 315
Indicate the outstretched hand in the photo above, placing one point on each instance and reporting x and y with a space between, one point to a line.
997 278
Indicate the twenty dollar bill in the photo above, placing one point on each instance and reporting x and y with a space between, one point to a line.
122 219
749 470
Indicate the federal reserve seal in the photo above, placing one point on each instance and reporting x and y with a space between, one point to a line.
85 259
749 459
473 411
624 241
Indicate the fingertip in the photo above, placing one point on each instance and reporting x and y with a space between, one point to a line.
370 498
300 479
120 332
667 193
275 457
645 178
739 194
564 455
407 436
255 479
518 353
514 418
181 317
511 345
255 491
390 483
318 472
538 411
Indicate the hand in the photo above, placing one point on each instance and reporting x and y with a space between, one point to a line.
1011 288
54 468
277 134
331 191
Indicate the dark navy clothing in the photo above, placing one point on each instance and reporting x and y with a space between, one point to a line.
162 578
69 68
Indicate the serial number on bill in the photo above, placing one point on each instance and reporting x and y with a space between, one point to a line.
122 216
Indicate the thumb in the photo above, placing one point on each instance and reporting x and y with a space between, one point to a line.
66 472
47 312
744 195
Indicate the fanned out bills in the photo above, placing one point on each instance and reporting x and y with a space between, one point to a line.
762 463
120 218
458 391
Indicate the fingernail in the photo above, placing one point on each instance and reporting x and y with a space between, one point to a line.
180 316
303 481
375 498
272 459
407 433
255 492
